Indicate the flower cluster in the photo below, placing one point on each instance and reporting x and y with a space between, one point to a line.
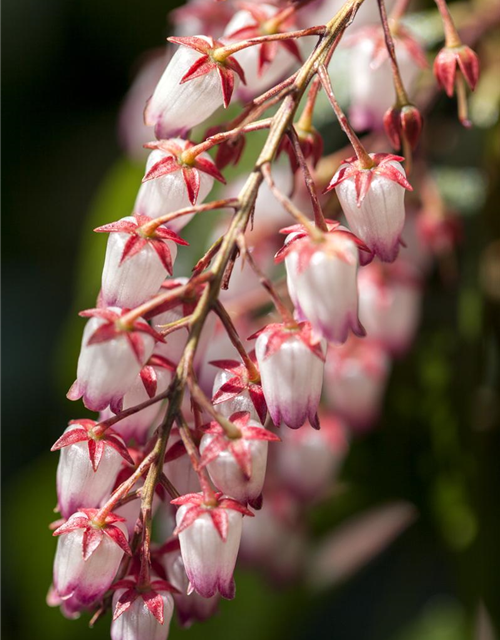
185 409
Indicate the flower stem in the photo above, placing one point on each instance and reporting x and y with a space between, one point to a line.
452 39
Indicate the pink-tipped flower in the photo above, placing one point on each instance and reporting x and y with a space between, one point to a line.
451 61
234 390
88 464
209 535
355 380
389 305
291 364
192 87
88 555
237 466
403 123
373 201
171 184
267 63
142 613
111 357
193 607
178 466
322 280
152 380
307 459
136 264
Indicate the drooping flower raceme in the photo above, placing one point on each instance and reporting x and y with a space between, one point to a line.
291 365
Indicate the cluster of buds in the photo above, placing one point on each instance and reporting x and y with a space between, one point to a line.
185 411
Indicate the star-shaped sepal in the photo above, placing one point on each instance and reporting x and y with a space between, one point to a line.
114 327
188 301
278 333
139 239
238 383
151 596
217 511
97 440
149 374
451 59
332 244
363 177
237 446
93 532
206 63
175 161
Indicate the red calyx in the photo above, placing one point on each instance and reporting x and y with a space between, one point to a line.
451 59
403 122
151 596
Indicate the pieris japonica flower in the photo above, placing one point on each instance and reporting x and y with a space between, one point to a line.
193 607
192 87
88 464
142 613
235 390
178 467
371 81
322 280
111 357
390 304
307 459
269 62
355 380
137 261
453 62
88 556
209 535
172 183
237 466
291 366
373 201
403 124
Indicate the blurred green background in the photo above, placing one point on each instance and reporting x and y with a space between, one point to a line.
66 66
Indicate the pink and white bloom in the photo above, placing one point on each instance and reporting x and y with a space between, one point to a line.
291 366
193 607
88 557
322 280
171 184
373 201
192 87
136 262
356 376
111 357
237 466
88 465
142 614
390 302
209 536
307 459
268 63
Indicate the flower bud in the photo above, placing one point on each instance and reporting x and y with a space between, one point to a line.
403 123
237 466
111 357
449 61
210 538
191 88
87 557
88 465
291 366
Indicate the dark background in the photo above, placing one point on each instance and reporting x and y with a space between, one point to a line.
66 66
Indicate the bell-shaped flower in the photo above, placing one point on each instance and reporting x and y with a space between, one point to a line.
152 380
291 366
137 261
209 535
373 201
111 357
307 459
235 390
322 280
267 63
193 607
142 613
192 87
88 465
171 183
355 380
237 466
178 466
390 299
88 555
